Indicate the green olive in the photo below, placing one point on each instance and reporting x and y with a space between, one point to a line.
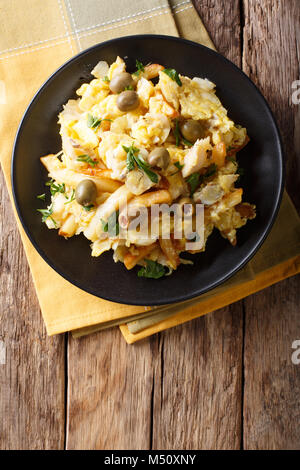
121 81
128 100
86 192
159 157
192 130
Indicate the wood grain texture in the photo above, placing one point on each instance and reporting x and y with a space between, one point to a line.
32 378
110 386
272 382
198 389
271 58
271 392
222 20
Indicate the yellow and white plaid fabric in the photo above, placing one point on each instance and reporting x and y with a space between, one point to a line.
37 36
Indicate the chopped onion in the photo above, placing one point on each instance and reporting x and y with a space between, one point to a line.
101 69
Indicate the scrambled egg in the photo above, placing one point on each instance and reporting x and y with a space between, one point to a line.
113 148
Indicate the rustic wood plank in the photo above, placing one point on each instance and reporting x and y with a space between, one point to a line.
197 398
32 373
271 59
197 388
271 402
271 409
222 21
110 387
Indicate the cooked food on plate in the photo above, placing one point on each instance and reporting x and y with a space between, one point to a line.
132 141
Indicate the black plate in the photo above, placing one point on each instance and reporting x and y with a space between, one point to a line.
262 160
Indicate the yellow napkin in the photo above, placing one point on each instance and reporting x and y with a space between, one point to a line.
37 37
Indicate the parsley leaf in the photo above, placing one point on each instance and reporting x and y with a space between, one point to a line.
140 67
193 180
93 122
86 159
112 225
134 159
211 170
56 188
87 208
146 169
106 79
131 152
153 270
41 196
178 165
179 137
177 133
129 87
72 197
186 142
47 213
173 75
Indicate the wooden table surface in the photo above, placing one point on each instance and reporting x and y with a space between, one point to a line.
224 381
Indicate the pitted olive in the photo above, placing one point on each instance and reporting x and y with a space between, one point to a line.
86 192
192 130
159 157
128 100
121 81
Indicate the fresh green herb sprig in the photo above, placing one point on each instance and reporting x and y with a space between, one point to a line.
112 226
106 79
72 197
179 166
195 179
88 208
140 68
134 159
41 196
56 187
179 137
46 213
186 142
87 159
173 75
130 160
211 170
146 169
94 122
153 270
